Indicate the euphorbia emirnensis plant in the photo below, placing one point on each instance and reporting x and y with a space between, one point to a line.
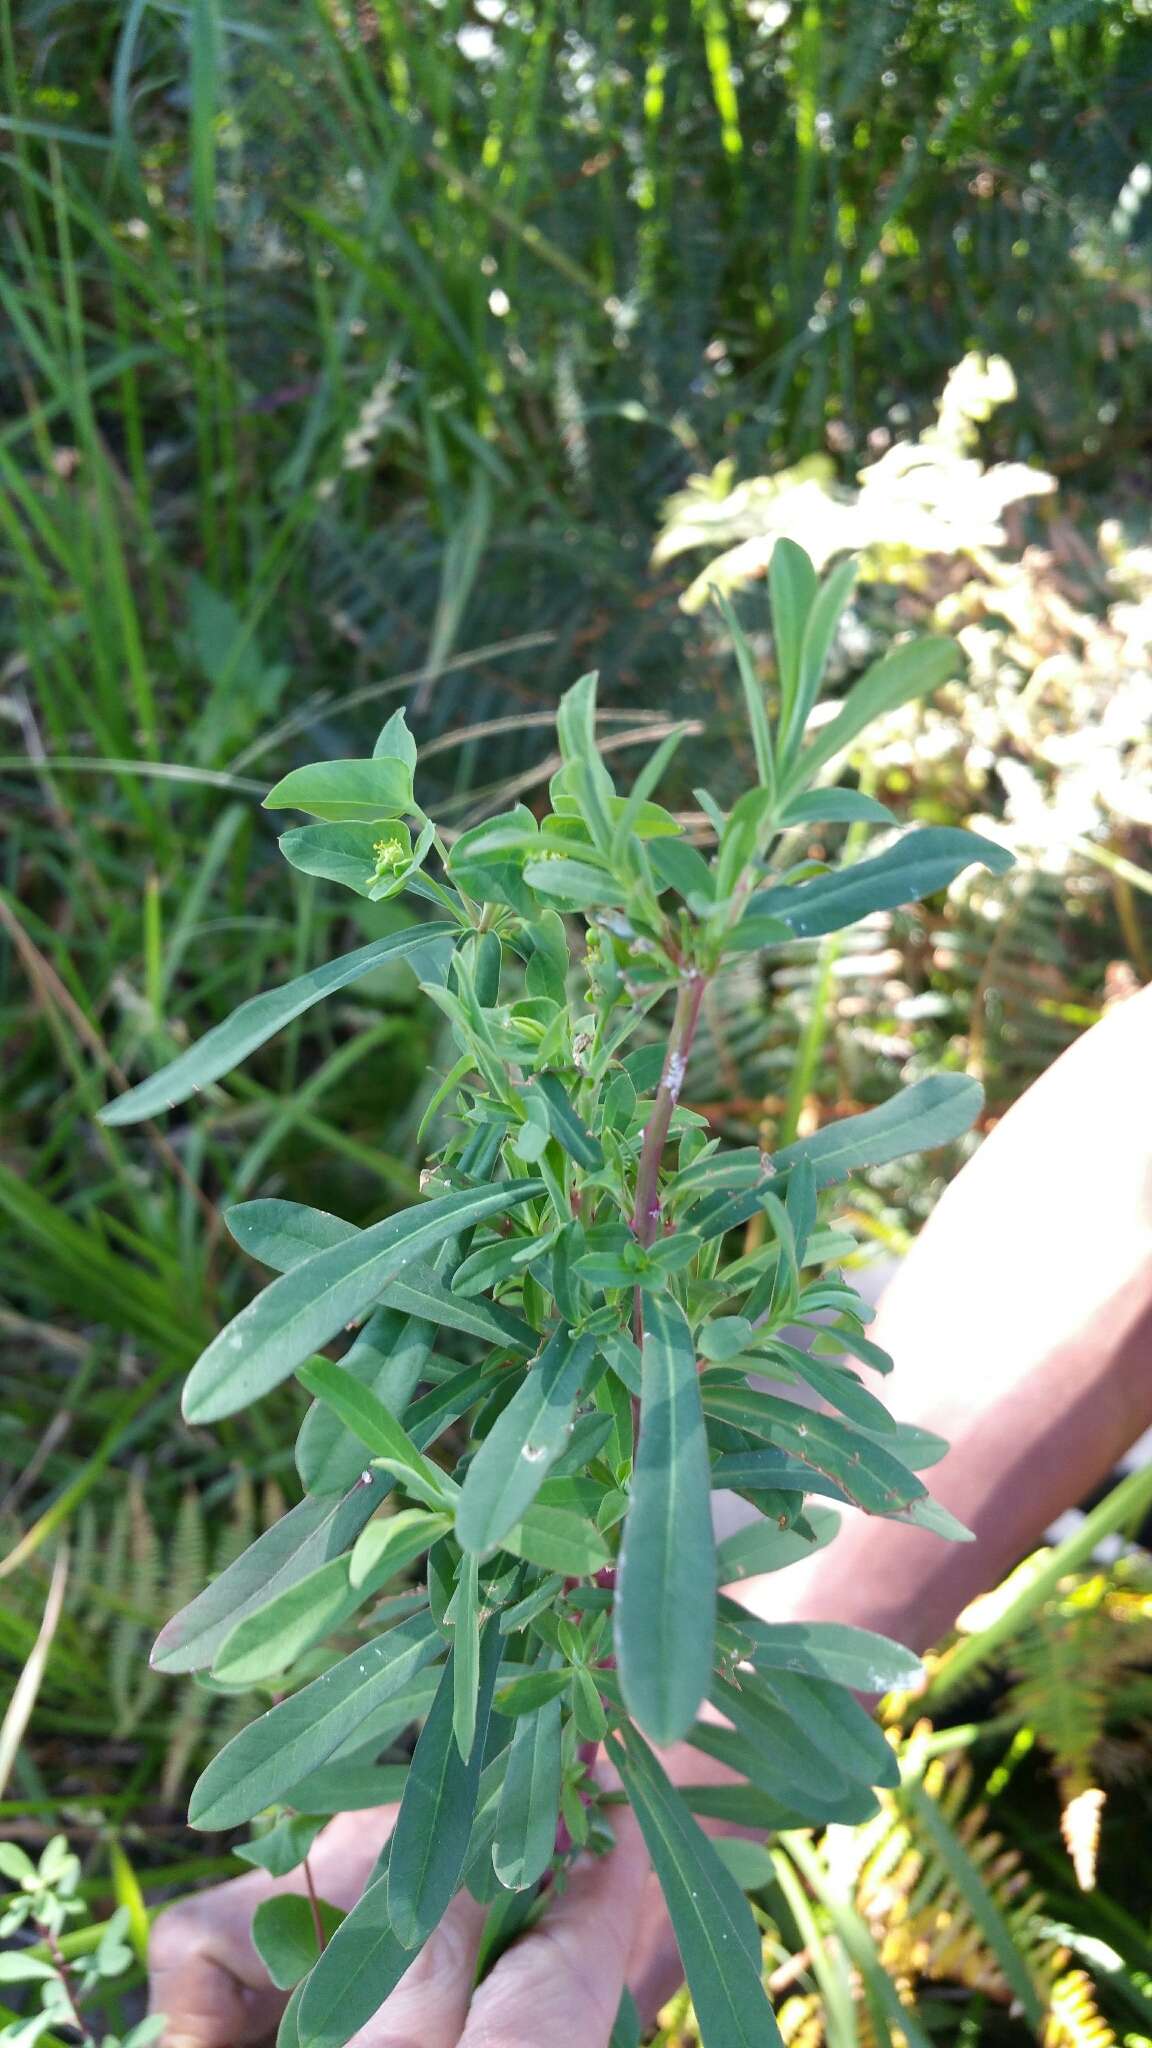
557 1355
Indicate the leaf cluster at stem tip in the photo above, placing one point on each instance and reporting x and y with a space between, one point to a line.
557 1355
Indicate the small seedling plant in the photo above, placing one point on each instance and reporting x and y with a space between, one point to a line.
62 1976
557 1355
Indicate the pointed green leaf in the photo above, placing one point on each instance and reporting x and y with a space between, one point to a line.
283 1234
834 807
931 1112
761 1547
388 1357
868 1474
304 1309
273 1753
827 1649
346 790
258 1019
792 591
566 1126
387 1545
575 883
627 2031
819 632
266 1642
755 708
529 1800
907 672
834 1384
666 1586
359 1969
801 1762
770 1766
378 1430
715 1932
915 866
285 1846
559 1541
296 1545
396 740
528 1694
16 1968
932 1514
836 1723
510 1466
430 1841
465 1613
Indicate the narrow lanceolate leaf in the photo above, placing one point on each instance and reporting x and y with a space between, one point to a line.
303 1539
529 1800
834 1719
569 1129
465 1617
359 1969
788 1751
793 591
389 1544
931 1112
666 1587
273 1753
266 1642
430 1841
258 1019
712 1920
283 1234
908 672
836 807
827 1649
304 1309
559 1541
388 1357
513 1461
870 1476
924 860
380 1433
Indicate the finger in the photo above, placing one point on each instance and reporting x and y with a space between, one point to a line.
204 1973
430 2004
565 1979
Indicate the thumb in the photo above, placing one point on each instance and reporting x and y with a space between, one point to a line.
204 1973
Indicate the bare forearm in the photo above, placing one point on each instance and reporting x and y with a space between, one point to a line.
1021 1329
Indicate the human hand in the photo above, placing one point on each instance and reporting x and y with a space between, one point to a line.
563 1980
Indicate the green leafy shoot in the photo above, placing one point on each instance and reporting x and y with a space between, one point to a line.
529 1383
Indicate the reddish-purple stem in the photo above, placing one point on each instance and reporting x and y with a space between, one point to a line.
646 1214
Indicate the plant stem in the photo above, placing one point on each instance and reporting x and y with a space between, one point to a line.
314 1903
646 1213
64 1971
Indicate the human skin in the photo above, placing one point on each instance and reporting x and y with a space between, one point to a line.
1020 1327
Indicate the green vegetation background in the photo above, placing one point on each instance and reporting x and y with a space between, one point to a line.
350 353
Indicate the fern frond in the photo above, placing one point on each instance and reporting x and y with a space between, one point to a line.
1074 2019
1080 1827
